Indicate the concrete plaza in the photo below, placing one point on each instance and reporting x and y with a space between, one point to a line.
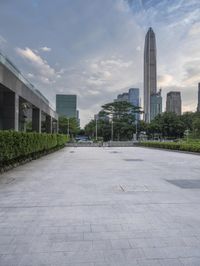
102 207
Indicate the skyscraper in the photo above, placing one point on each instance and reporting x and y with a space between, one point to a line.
152 99
133 97
173 103
198 105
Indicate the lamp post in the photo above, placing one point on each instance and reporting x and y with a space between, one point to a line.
136 128
68 127
96 129
112 130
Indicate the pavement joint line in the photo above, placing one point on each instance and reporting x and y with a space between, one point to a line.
93 205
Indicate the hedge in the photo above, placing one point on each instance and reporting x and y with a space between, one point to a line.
15 146
182 146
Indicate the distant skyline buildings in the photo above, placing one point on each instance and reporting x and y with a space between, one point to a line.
133 97
155 104
152 99
173 102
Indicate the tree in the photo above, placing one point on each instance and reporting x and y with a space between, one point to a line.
168 125
90 129
196 126
122 114
187 119
64 122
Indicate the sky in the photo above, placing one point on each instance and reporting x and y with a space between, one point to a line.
94 48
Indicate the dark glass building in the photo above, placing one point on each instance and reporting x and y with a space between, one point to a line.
173 103
66 105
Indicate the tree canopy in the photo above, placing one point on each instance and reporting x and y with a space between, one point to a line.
63 122
119 117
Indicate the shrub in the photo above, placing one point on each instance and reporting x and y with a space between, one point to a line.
182 146
18 145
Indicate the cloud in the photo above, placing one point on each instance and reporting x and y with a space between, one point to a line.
194 30
165 80
192 70
45 49
40 66
102 56
30 75
2 41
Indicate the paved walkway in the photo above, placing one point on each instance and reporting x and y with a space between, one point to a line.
102 207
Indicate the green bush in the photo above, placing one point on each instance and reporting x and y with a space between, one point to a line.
18 145
182 146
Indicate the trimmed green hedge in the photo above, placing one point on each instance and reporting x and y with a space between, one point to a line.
182 146
18 145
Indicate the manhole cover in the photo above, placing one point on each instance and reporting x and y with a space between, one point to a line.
114 152
72 151
133 160
186 183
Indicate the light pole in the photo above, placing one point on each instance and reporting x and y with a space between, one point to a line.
136 128
112 130
68 127
96 129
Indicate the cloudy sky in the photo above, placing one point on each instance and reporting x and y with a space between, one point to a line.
94 48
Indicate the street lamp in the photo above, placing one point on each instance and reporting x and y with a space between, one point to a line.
68 127
136 128
112 130
96 130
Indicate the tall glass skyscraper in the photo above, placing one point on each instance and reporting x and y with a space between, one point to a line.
152 99
134 98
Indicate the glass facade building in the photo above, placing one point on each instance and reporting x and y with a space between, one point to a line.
133 97
173 103
66 105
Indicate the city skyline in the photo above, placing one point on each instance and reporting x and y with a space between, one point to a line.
104 55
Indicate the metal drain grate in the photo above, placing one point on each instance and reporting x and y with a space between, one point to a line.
133 160
186 183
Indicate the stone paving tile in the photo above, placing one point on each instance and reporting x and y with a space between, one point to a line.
190 261
101 245
120 244
10 260
69 209
160 262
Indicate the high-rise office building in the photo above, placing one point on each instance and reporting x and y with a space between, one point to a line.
155 104
123 97
133 97
66 105
198 105
152 99
173 102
